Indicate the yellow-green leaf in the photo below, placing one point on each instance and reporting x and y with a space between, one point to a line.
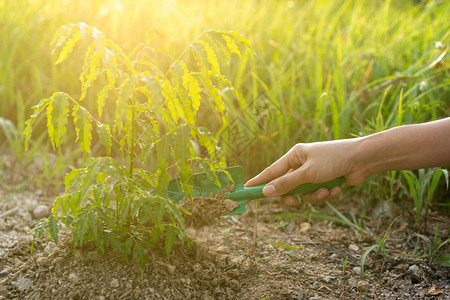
29 123
211 57
83 127
57 110
68 47
104 132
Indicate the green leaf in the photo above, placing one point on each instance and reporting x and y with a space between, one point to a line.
83 127
57 110
364 256
68 47
104 132
53 228
155 235
38 230
286 246
29 123
93 225
170 239
101 98
231 45
139 254
211 57
90 69
171 100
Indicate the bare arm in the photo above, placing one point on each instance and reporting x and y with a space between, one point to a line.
405 147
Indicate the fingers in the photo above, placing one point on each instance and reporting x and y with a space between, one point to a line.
283 184
322 195
287 162
289 200
318 196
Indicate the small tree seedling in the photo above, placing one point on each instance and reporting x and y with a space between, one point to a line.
146 119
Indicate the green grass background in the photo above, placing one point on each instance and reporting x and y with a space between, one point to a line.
320 69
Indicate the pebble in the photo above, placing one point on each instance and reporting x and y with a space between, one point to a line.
235 285
23 284
304 226
197 267
291 226
41 211
42 261
353 247
334 257
414 270
171 269
4 272
356 271
363 286
114 283
73 278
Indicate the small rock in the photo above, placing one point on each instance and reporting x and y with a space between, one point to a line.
42 261
235 285
4 272
73 278
23 284
300 295
27 217
101 298
353 247
304 226
54 292
290 227
171 269
363 286
315 298
414 270
334 257
49 247
114 283
356 271
41 211
197 267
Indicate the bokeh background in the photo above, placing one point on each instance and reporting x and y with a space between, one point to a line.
319 69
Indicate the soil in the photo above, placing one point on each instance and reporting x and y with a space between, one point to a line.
256 255
208 210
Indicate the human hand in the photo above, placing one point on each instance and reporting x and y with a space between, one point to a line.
313 163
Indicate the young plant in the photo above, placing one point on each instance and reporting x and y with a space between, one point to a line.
145 117
422 188
380 247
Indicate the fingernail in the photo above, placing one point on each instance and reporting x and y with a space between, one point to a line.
269 190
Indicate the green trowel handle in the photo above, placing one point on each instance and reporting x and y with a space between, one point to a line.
255 192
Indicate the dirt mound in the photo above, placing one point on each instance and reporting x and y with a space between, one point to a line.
207 210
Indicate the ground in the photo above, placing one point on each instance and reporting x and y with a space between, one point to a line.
254 255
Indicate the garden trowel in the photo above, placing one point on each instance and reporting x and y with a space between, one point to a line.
204 186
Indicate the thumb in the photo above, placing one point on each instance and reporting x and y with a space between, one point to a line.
287 182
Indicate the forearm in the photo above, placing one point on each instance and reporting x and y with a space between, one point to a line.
407 147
